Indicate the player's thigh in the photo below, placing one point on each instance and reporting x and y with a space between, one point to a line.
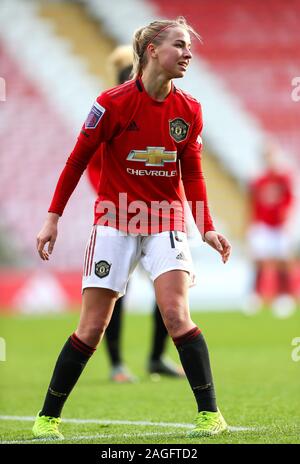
96 311
171 291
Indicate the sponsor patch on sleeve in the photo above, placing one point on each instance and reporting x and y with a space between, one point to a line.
94 116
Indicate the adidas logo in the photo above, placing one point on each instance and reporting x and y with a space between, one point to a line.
180 256
132 126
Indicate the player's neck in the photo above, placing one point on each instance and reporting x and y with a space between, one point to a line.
158 87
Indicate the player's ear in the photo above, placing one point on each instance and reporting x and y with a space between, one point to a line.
152 50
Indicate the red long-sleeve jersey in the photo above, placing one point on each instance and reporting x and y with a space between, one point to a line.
148 147
94 168
271 196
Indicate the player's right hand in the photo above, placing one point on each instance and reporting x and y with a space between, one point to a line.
47 234
219 243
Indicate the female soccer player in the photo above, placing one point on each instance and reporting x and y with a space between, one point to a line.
151 131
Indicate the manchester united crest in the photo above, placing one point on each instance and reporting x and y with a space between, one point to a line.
102 269
178 129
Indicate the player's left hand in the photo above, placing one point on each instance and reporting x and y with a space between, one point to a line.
219 243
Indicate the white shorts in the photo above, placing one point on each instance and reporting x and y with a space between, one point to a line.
111 256
268 242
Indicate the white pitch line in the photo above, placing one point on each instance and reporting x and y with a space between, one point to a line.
123 422
94 437
112 422
109 436
104 422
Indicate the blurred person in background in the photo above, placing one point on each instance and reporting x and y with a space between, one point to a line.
121 61
269 237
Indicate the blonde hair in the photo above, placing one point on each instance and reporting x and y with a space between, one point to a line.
121 57
155 33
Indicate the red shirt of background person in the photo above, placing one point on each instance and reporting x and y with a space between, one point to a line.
271 193
271 198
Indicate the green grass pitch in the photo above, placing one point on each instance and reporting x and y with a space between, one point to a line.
257 382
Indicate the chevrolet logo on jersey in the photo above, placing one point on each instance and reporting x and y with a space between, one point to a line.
153 156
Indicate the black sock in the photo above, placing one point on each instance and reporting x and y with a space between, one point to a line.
194 357
113 334
159 335
70 363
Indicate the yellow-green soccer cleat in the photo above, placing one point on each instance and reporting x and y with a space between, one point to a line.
208 424
46 427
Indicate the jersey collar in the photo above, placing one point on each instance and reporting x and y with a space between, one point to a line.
141 88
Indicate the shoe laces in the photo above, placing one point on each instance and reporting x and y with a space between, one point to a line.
51 421
54 420
203 418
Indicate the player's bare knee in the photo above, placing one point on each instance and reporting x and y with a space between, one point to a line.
91 334
175 320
